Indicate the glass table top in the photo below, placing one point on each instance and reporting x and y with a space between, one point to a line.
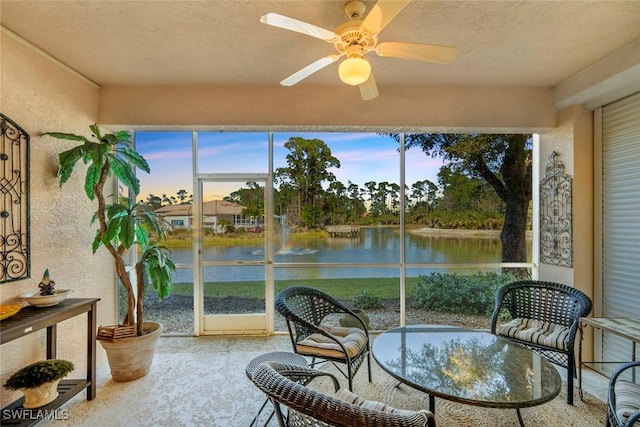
467 366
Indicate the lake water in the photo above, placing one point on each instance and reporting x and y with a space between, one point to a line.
374 245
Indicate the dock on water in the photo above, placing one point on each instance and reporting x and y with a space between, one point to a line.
343 230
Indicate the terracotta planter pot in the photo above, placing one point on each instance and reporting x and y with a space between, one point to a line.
39 396
131 359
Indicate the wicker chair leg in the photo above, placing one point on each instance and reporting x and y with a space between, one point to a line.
279 415
369 365
570 374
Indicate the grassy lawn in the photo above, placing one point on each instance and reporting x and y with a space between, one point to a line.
345 289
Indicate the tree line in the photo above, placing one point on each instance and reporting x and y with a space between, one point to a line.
182 197
485 184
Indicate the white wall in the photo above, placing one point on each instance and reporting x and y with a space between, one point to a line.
489 109
42 96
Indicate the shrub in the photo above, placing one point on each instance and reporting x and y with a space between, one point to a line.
463 294
366 301
38 373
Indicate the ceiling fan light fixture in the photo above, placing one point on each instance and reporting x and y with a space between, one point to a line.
354 71
357 37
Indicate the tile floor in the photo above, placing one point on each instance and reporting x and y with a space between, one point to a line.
196 382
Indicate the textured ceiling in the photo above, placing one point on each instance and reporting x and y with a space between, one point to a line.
504 43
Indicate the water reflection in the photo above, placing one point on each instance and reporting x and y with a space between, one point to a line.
452 250
467 368
288 251
373 245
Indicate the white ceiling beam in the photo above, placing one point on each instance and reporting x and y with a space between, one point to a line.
614 77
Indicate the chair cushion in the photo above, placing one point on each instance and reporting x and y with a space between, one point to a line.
347 396
353 339
627 399
537 332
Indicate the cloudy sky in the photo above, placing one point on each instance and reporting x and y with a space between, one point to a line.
363 157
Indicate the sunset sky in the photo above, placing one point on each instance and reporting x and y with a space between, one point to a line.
363 157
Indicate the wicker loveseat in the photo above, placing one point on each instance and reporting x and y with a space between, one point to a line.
282 383
545 317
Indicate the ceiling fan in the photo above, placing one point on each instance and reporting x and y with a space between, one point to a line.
357 37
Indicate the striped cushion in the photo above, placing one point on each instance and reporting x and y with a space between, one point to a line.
347 396
536 331
353 339
627 399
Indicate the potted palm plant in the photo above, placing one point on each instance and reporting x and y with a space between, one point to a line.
123 226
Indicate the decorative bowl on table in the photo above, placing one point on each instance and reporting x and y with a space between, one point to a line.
48 300
9 310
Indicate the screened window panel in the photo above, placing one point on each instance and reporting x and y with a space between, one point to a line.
620 210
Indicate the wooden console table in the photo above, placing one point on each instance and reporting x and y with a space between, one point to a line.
31 319
625 327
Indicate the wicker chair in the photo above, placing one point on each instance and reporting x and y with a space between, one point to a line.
282 384
545 317
304 310
623 402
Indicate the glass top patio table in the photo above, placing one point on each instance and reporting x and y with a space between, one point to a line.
467 366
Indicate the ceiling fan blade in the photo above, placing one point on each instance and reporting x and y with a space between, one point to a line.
287 23
417 51
382 13
369 89
309 69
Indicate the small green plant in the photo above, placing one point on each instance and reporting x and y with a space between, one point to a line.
463 294
366 301
38 373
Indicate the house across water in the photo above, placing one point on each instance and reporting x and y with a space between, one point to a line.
216 215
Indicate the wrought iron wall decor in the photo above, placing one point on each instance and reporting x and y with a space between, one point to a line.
14 211
556 228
